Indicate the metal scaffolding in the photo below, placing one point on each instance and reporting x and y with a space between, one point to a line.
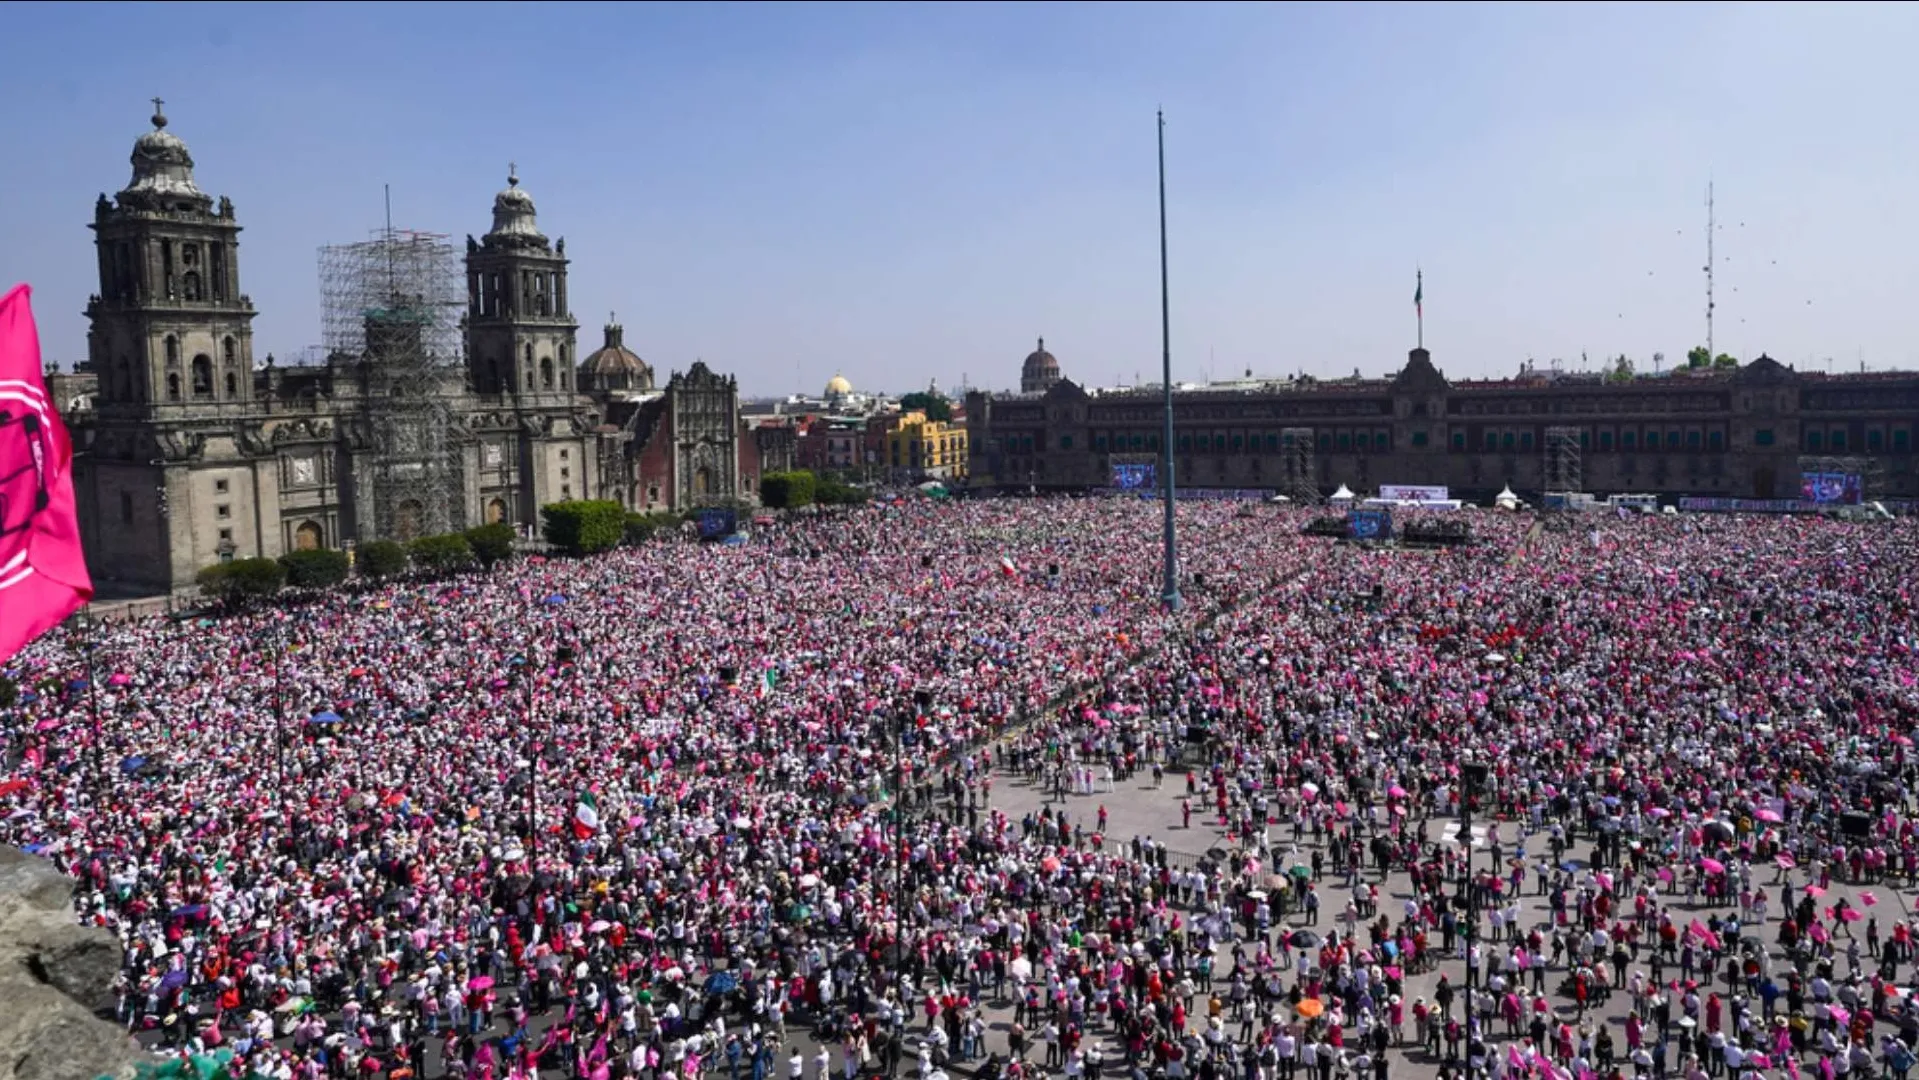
390 310
1562 470
1296 466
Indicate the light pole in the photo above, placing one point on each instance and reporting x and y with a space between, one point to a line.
1472 777
1170 587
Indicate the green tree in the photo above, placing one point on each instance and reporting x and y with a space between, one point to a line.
786 490
242 581
321 568
1620 370
583 526
491 543
1698 357
381 559
832 492
1725 362
441 554
935 406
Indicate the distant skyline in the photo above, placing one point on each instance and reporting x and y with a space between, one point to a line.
903 193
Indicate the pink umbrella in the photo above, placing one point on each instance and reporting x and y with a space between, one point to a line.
1768 815
1785 861
1712 866
1815 890
1868 899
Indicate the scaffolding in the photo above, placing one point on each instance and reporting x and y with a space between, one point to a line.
1562 471
1296 466
391 310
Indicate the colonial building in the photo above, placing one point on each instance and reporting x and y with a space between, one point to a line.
1745 433
188 453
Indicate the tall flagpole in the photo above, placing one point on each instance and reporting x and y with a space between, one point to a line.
1170 595
1419 303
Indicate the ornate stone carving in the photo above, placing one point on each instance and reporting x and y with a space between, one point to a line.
181 445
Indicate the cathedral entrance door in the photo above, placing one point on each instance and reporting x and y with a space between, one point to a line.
406 520
307 537
703 481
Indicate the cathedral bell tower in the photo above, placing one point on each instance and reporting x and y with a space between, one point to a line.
520 333
171 335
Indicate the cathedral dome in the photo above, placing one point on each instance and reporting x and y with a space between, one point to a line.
513 214
162 166
837 386
614 366
1040 370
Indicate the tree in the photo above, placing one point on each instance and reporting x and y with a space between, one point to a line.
1698 357
1620 370
242 581
321 568
1725 362
786 490
641 528
381 559
491 543
441 554
583 526
832 492
935 406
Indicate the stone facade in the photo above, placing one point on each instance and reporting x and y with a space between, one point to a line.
187 453
1732 434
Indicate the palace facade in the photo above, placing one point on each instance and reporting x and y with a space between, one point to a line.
1744 433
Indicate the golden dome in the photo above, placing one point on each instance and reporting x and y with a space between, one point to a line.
837 386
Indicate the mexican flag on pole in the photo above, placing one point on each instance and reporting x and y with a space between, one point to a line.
768 680
586 817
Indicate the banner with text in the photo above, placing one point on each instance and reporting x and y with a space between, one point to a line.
1413 493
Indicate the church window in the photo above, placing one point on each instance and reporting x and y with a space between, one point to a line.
233 385
219 270
546 373
173 386
202 376
229 352
173 351
166 266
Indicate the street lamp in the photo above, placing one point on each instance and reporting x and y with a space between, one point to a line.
1472 780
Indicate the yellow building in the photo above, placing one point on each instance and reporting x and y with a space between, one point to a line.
921 449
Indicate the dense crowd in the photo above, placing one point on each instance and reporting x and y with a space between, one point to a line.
686 808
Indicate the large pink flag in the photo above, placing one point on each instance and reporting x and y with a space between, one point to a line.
43 575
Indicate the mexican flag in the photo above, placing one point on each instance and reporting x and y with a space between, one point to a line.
586 817
1419 293
768 680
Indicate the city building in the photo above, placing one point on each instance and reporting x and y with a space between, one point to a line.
919 449
1750 432
444 396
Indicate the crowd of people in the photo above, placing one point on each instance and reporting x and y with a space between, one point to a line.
836 800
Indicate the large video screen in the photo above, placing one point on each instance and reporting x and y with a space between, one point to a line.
1832 488
1136 476
1371 524
717 522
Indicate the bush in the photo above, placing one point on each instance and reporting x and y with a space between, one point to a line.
831 492
583 526
786 490
243 581
381 559
491 543
321 568
441 554
643 527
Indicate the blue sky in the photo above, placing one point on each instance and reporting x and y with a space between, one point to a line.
905 193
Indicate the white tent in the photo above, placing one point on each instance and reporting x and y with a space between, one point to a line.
1344 494
1506 500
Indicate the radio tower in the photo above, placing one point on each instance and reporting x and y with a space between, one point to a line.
1710 228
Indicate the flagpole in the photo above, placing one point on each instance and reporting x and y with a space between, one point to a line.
1170 593
1419 304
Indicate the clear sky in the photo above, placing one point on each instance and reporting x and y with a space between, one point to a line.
905 193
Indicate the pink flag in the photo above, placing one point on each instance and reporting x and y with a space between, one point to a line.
43 575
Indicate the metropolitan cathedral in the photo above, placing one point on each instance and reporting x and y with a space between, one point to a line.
188 452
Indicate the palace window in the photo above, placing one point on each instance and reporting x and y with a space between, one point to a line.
1874 440
1419 438
1383 442
1716 440
1838 442
1762 437
1901 439
1459 440
1605 440
1814 441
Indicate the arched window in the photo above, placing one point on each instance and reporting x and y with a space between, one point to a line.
229 351
173 386
203 375
173 351
190 285
546 373
233 385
